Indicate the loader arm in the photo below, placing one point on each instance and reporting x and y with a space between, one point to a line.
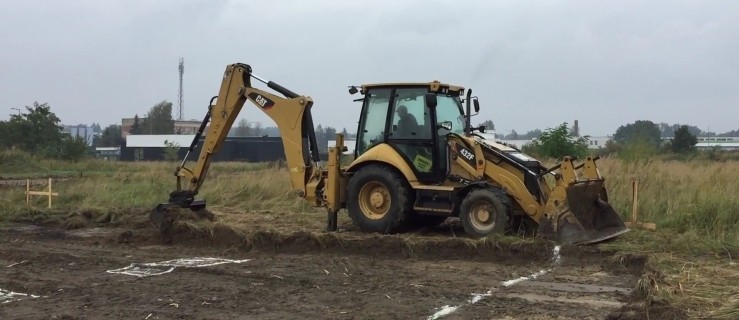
291 115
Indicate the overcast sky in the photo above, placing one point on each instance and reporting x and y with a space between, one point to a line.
533 64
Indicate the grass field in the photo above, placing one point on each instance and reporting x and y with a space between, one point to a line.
695 205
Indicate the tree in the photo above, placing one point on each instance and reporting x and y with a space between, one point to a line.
72 148
136 126
643 131
7 134
668 130
270 131
38 131
96 128
257 130
684 140
732 133
110 137
171 150
242 129
159 119
532 134
512 136
320 132
489 125
558 142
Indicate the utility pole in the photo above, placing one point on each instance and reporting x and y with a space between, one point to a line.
181 115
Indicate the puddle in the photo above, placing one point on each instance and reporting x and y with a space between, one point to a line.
10 296
159 268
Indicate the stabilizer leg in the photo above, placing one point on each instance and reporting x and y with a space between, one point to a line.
332 221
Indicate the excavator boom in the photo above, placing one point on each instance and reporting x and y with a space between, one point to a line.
292 115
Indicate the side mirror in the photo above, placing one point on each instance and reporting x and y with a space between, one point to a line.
430 100
477 105
353 90
481 128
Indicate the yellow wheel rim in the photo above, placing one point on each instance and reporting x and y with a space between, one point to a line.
482 216
374 200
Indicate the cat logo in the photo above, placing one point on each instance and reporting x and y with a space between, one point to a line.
261 101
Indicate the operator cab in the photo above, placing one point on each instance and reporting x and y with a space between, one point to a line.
414 119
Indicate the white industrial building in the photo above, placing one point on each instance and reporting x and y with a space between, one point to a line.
722 143
158 140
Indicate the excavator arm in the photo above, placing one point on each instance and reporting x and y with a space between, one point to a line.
291 114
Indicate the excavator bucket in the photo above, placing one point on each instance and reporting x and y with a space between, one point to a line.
584 218
164 214
161 213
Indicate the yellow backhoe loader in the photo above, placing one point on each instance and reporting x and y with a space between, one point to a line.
417 161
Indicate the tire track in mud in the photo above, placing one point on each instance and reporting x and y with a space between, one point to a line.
476 297
545 299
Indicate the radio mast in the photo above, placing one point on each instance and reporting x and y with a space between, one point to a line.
181 98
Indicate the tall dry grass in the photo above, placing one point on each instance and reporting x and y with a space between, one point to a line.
698 197
97 184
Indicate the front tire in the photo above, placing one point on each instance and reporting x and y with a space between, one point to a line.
484 212
379 200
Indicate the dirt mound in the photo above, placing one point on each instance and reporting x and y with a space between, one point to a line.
431 244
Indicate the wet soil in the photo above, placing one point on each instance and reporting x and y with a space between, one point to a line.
61 274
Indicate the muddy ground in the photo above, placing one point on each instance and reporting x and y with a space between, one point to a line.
63 274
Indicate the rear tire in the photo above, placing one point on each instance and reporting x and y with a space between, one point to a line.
378 200
484 212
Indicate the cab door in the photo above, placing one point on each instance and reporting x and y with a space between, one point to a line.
373 124
411 132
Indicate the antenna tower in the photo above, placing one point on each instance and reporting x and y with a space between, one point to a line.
181 107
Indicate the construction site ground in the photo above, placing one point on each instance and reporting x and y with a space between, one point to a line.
60 272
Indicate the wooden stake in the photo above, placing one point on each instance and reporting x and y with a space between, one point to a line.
635 200
50 193
634 221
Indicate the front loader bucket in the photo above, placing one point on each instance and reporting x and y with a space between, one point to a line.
584 218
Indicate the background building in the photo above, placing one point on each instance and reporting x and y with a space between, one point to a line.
180 126
155 147
83 131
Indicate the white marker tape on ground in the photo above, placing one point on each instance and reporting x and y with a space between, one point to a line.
476 297
159 268
10 296
533 276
